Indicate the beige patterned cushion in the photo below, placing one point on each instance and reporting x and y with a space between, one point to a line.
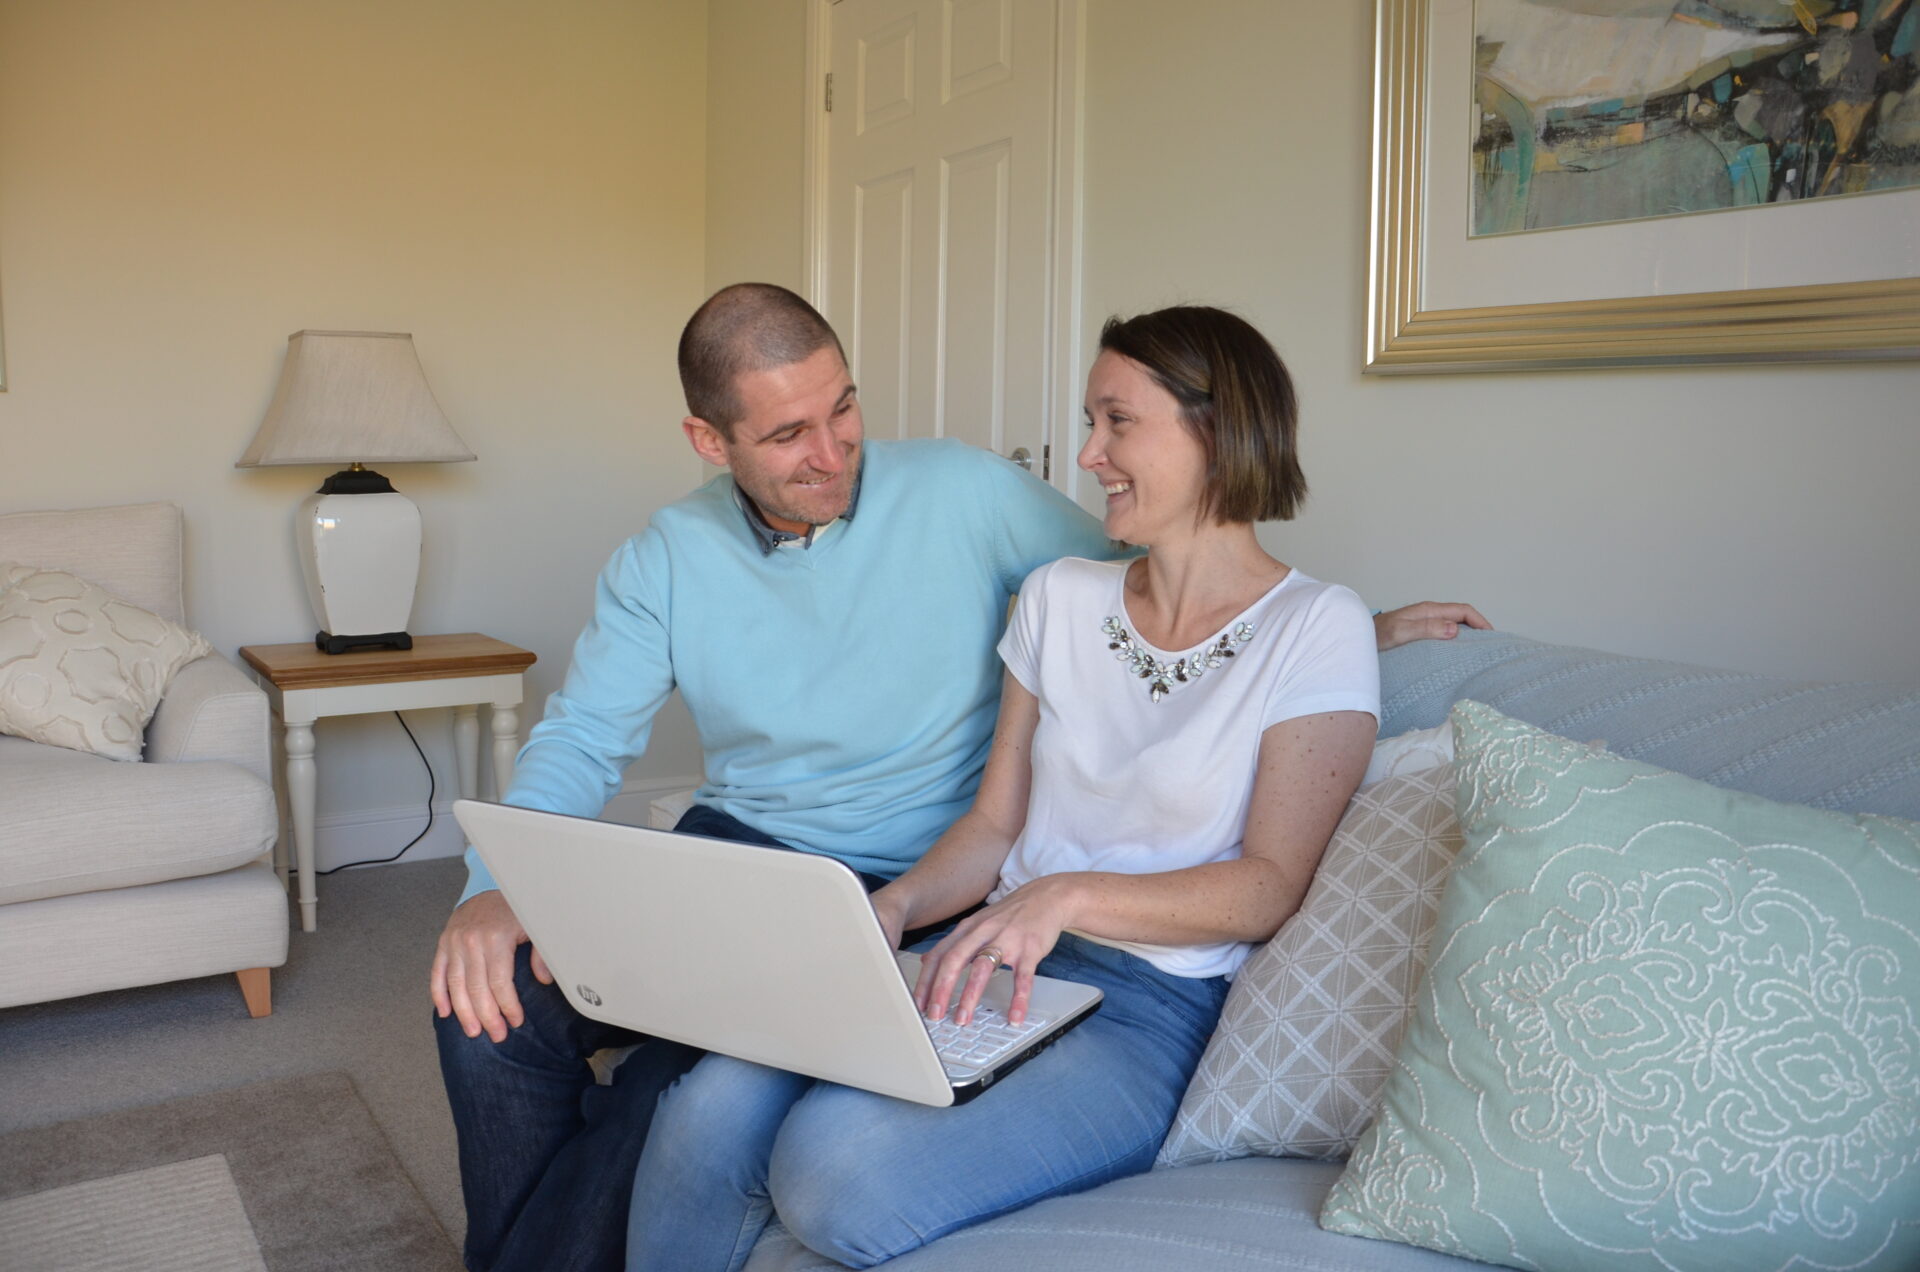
1306 1040
79 667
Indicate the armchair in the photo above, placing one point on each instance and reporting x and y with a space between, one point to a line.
114 874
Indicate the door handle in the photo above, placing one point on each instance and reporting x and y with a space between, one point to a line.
1023 457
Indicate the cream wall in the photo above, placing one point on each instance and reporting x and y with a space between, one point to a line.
520 186
756 134
1758 518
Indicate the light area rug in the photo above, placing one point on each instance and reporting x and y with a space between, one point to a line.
289 1176
184 1217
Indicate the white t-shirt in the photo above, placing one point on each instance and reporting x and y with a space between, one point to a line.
1124 782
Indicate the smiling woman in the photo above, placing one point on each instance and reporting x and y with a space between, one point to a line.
1246 423
1177 737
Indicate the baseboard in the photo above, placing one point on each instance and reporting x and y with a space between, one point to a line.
376 833
372 834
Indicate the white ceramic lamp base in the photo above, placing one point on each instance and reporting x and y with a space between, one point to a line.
360 554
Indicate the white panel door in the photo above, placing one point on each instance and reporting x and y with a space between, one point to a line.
939 169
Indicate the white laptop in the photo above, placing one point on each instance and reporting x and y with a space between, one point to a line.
761 953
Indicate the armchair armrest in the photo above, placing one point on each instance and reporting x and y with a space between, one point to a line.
213 711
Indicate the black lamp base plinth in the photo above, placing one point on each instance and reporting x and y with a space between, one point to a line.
329 644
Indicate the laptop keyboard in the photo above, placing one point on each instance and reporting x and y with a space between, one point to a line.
982 1041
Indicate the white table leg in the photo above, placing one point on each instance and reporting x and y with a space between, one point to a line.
506 741
301 781
466 749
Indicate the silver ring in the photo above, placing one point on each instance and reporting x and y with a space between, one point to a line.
993 954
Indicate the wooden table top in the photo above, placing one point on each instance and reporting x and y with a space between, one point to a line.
301 666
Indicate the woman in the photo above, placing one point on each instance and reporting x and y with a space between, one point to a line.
1178 736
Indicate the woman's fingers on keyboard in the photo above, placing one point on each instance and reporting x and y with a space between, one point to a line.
940 970
979 972
1022 995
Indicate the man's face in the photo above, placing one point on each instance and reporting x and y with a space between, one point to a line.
795 451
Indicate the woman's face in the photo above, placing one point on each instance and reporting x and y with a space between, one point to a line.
1152 467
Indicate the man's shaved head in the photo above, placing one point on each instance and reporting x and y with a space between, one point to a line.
743 328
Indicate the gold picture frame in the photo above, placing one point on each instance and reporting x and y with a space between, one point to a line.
1876 320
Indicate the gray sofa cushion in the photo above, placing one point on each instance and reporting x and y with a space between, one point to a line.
1258 1214
81 823
1851 747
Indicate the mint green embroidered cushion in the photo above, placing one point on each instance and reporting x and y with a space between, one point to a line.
1664 1026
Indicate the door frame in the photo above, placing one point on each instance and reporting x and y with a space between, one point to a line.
1060 360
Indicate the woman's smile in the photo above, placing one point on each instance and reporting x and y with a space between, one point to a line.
1135 434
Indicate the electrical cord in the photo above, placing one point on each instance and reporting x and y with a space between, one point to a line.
381 861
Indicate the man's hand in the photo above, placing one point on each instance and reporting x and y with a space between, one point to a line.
1429 620
473 967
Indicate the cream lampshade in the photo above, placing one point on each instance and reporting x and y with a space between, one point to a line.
356 398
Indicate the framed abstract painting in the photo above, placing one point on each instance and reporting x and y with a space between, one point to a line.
1596 183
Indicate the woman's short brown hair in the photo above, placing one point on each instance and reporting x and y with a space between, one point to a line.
1236 397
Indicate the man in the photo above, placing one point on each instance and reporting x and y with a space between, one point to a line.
828 613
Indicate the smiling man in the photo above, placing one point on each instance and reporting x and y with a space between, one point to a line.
827 609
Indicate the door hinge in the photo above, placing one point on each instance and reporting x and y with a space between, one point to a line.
1046 463
829 90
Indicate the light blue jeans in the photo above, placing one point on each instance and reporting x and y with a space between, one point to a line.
862 1178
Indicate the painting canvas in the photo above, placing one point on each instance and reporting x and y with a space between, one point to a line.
1607 110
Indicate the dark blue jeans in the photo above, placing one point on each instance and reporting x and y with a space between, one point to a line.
546 1155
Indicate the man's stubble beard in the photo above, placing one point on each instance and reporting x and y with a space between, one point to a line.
784 510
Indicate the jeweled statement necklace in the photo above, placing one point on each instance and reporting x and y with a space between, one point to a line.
1162 677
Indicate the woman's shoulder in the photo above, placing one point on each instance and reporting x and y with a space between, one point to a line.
1073 577
1315 604
1304 589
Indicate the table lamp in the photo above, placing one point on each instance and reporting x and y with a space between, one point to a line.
356 398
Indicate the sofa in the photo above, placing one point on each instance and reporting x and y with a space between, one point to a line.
115 873
1842 747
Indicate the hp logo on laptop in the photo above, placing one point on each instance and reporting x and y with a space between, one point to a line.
587 995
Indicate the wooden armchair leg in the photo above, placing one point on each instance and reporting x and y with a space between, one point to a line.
256 986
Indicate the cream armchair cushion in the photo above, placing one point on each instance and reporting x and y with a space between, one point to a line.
80 667
142 823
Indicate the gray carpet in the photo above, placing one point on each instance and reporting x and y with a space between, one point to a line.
316 1178
352 998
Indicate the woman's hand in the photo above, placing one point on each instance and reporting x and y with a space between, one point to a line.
1022 927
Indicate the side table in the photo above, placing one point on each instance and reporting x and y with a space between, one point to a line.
460 671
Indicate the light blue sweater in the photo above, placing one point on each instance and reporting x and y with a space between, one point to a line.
845 693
